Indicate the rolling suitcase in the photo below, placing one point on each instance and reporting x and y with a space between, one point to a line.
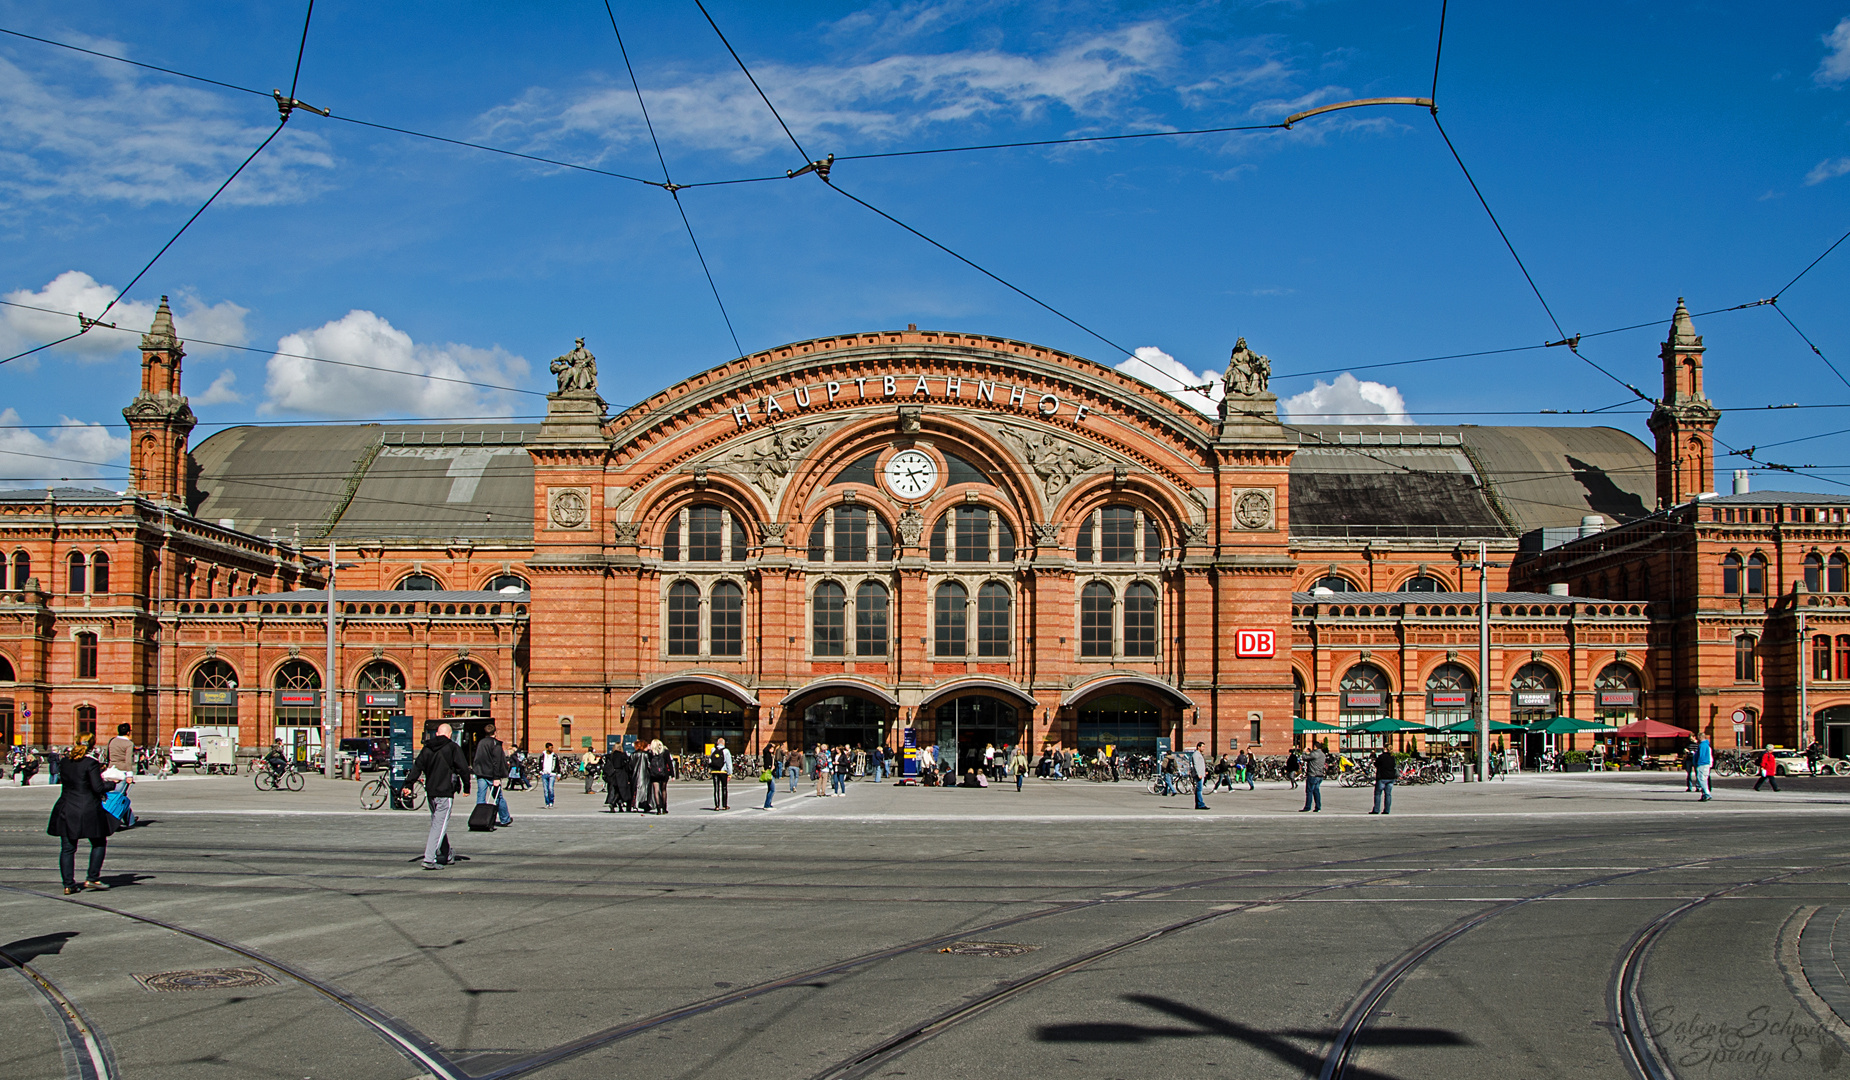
482 818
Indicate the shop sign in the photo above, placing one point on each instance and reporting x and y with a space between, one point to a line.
1618 699
298 699
1364 699
1448 699
382 699
1255 644
1535 699
215 697
475 700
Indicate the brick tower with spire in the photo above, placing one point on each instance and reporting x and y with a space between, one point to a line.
159 418
1684 421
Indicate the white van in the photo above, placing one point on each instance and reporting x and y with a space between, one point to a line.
186 748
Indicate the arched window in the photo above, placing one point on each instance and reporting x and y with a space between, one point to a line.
86 655
507 582
1536 693
1118 534
828 615
1423 583
950 619
1731 575
86 721
1366 695
1814 573
726 618
79 577
1449 695
1139 619
1756 575
850 534
22 569
6 672
994 621
972 534
419 582
705 533
99 573
215 694
1837 575
1618 694
870 619
1333 583
1745 669
296 703
466 697
683 619
381 689
1096 602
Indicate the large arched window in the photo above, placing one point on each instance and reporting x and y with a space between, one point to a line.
1423 583
1746 669
690 724
466 690
6 672
705 533
950 619
1536 693
1366 694
1814 573
418 582
1731 575
1837 574
507 583
870 619
215 694
1139 619
79 576
1096 604
1332 582
972 534
99 573
994 619
726 620
22 569
1449 695
1118 534
828 620
1756 575
296 702
1618 694
683 619
850 534
381 692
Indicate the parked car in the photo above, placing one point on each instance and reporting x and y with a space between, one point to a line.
1794 763
370 753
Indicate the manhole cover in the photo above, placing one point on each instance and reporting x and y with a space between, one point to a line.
205 979
987 948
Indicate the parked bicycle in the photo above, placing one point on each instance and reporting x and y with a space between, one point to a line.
375 792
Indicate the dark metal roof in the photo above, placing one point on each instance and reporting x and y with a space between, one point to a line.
370 481
1779 498
59 494
1469 598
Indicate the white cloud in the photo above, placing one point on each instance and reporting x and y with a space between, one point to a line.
298 385
220 392
94 129
74 451
76 291
1834 69
1168 374
1348 400
886 98
1827 170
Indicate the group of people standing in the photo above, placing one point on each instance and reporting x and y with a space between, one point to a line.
636 780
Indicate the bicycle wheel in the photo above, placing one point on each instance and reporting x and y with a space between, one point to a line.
295 780
258 779
372 795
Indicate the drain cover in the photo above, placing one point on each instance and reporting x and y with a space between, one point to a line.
987 948
205 979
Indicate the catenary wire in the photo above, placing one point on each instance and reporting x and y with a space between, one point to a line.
1781 312
668 181
749 77
1808 266
296 78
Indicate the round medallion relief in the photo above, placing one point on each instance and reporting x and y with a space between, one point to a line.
569 510
1253 510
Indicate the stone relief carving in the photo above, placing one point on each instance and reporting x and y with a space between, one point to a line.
628 533
774 530
569 508
1046 534
769 462
1195 535
1053 459
911 528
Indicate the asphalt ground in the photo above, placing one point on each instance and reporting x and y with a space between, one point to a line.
1557 926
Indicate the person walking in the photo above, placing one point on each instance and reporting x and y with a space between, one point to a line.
719 766
1814 755
819 768
793 764
1293 765
1387 770
660 768
1689 768
490 768
549 773
1769 771
1316 764
587 763
445 772
844 764
619 789
119 757
79 815
1018 764
1704 759
1198 771
769 776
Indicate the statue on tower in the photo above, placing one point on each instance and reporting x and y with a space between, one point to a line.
1247 372
577 370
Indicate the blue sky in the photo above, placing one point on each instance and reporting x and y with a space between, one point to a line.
1634 152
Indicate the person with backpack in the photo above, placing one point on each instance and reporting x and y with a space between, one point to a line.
719 766
1769 771
658 767
1247 764
445 772
491 769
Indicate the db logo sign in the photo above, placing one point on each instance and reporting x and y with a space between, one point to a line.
1254 644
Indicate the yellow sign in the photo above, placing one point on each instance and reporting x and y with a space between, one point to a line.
1109 747
709 750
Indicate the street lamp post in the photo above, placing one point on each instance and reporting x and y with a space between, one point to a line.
330 722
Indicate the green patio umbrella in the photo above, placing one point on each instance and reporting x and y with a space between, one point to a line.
1565 725
1469 727
1388 725
1299 726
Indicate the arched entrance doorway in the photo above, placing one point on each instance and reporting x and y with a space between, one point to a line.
693 722
845 720
1125 722
466 703
1535 696
967 724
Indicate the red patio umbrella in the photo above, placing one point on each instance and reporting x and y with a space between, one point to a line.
1652 729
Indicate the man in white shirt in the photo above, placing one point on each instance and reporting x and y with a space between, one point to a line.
549 772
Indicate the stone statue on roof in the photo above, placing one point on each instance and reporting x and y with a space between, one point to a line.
1247 372
577 370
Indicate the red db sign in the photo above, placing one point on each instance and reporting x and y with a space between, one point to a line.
1254 644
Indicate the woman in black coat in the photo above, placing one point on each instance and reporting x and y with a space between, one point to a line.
79 815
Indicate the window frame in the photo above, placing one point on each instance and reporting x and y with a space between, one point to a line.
950 621
88 644
1746 658
676 623
1090 624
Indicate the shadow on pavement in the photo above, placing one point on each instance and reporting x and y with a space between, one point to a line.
26 950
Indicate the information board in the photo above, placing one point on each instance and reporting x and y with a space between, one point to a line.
403 753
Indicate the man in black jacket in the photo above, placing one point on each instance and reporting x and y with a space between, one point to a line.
1387 770
445 773
491 770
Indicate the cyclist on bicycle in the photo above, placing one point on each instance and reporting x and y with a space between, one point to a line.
275 760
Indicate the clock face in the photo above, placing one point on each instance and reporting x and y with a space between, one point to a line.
910 474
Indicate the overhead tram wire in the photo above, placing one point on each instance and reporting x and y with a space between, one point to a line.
668 183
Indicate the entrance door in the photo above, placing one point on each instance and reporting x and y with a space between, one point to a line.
1836 724
844 721
697 721
972 723
1130 724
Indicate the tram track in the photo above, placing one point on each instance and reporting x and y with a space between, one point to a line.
85 1051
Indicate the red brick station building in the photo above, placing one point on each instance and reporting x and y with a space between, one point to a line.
982 539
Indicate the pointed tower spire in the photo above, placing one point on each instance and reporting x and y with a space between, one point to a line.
161 335
1682 330
159 419
1684 421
